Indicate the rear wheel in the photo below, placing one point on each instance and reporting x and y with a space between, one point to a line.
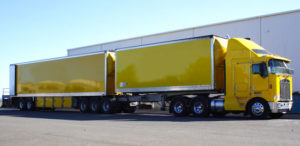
95 106
22 104
258 109
30 105
106 106
179 107
84 106
199 107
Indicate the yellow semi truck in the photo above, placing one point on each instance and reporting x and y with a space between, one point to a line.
197 76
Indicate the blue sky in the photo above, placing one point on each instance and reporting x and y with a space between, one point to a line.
39 29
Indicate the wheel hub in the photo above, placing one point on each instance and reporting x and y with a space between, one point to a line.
94 107
83 106
29 105
106 106
178 108
258 109
198 108
21 105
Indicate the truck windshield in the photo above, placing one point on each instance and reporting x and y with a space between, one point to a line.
279 67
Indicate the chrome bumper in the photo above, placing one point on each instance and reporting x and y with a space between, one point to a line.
280 107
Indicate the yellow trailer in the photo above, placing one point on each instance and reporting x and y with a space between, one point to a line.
185 65
53 82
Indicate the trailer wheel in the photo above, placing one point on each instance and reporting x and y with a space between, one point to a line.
95 106
106 106
22 104
199 107
84 106
179 107
29 105
258 109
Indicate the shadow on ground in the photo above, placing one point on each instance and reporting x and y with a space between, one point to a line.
138 116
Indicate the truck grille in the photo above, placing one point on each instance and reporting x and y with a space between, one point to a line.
284 90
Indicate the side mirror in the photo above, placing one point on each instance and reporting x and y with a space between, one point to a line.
263 70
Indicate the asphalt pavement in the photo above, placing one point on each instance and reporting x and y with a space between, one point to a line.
142 128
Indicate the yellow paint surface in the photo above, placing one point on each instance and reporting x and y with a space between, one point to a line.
220 49
71 75
179 64
67 102
48 102
110 73
39 102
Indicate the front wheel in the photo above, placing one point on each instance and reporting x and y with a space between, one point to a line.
259 109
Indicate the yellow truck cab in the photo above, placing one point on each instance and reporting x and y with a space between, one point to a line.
257 81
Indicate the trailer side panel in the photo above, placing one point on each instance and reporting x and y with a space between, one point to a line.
180 66
76 76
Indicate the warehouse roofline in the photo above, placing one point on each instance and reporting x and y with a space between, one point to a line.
191 28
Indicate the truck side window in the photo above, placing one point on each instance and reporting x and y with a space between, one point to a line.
260 69
256 69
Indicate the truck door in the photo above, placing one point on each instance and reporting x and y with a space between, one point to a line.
242 82
259 79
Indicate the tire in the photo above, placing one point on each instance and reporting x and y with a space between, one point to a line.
95 106
84 107
106 106
199 108
22 105
258 109
30 105
129 109
276 115
179 107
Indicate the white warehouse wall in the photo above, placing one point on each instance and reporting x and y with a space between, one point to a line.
278 33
